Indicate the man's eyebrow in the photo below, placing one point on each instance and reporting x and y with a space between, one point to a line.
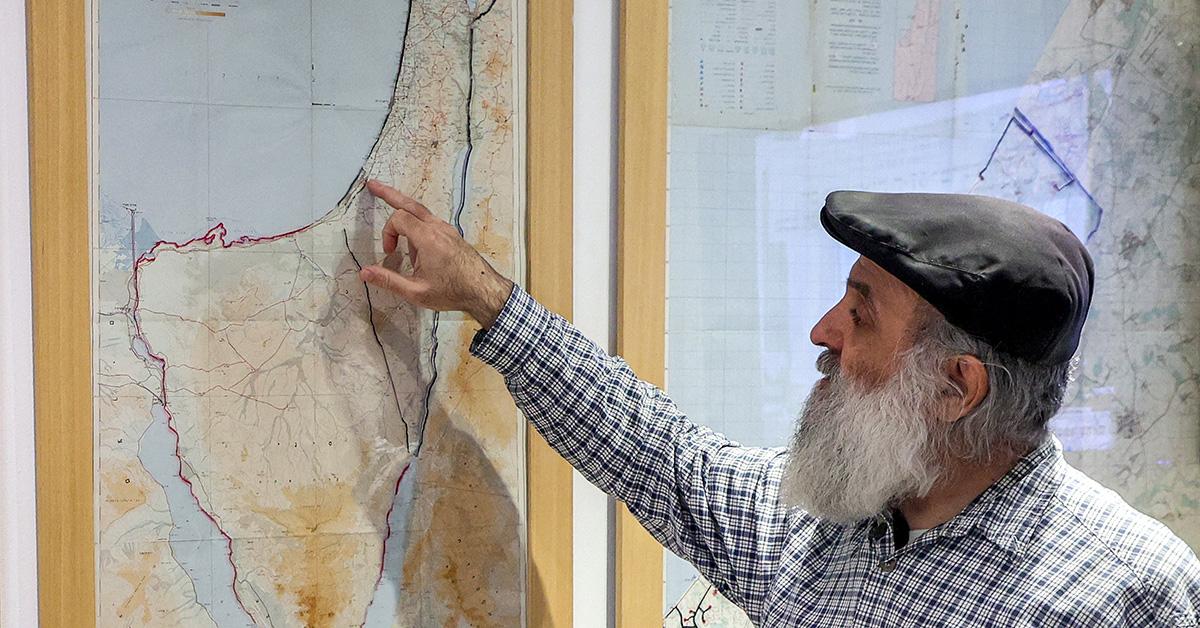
863 288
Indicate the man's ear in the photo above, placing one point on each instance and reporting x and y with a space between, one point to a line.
969 377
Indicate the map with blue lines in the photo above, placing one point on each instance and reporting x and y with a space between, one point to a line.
276 443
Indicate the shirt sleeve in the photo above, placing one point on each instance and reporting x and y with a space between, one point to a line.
702 496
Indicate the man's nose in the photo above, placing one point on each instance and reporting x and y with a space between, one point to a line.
826 333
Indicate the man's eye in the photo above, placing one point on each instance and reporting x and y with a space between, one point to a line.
855 317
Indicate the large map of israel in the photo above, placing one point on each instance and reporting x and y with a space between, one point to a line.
276 444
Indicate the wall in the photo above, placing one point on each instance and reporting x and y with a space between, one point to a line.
594 274
18 564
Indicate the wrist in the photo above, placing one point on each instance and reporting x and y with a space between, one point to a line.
491 300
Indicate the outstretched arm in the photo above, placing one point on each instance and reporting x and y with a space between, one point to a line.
702 496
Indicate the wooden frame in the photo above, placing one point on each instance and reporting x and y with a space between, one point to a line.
641 268
549 171
62 318
60 192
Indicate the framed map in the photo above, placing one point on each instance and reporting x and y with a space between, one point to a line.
271 443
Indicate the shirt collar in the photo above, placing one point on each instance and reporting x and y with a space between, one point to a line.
1007 511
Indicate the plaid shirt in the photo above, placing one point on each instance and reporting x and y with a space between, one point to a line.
1044 546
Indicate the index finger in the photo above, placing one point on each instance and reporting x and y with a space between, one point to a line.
400 223
398 200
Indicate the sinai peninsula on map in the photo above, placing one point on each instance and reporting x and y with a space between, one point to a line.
277 445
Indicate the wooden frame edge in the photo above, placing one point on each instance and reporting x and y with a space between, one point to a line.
59 197
549 184
641 268
60 194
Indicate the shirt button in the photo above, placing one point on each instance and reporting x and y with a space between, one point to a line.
887 566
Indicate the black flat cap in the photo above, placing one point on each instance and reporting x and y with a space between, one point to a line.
999 270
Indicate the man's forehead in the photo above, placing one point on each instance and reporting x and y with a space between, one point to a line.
870 278
864 271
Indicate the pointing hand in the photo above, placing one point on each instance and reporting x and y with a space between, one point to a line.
447 273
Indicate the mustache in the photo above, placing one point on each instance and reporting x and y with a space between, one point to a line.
827 363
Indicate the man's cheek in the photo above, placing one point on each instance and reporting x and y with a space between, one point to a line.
863 376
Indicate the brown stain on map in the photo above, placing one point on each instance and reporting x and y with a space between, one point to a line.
480 395
496 64
154 598
315 524
497 246
136 572
502 118
468 548
124 489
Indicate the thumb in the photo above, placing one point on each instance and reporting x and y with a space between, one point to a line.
392 281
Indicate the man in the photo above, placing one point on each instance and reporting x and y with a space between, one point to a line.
921 486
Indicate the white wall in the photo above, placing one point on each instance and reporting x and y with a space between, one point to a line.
18 564
595 60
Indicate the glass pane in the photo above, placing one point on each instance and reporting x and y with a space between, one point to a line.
776 104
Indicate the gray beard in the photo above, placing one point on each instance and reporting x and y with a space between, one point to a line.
856 452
